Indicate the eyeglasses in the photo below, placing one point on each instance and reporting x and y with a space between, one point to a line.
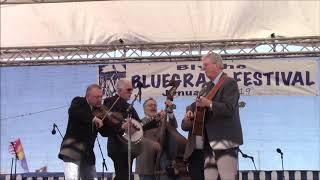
129 89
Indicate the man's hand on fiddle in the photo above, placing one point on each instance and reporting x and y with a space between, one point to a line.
98 122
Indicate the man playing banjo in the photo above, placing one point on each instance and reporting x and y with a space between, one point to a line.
117 148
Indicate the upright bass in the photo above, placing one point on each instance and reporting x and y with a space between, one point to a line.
173 143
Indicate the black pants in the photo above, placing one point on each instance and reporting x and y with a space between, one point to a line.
121 167
196 165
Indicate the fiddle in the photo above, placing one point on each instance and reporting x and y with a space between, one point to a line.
114 119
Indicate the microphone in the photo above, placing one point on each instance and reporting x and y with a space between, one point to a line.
279 151
53 132
247 156
242 104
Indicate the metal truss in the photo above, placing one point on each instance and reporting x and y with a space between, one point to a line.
155 52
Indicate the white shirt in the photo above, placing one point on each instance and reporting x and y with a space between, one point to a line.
216 80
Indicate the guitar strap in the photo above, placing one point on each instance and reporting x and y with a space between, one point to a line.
198 122
214 90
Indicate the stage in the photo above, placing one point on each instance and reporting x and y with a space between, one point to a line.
244 175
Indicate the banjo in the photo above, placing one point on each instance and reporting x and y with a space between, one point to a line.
138 129
116 118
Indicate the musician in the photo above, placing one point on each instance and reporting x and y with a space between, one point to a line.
117 150
222 127
77 146
146 165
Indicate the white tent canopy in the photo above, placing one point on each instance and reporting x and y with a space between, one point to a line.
104 22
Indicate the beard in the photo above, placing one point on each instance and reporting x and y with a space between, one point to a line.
151 113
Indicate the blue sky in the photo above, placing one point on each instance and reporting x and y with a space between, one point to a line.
291 123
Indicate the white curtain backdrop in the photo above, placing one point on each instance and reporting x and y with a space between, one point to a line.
103 22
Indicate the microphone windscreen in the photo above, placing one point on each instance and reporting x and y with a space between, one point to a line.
53 129
244 155
279 150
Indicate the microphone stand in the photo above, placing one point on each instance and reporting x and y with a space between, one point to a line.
55 126
282 165
103 160
11 169
15 167
247 156
129 134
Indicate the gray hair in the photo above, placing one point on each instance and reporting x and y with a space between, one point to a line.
214 58
120 83
149 99
90 87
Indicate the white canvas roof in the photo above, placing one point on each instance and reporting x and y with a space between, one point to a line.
103 22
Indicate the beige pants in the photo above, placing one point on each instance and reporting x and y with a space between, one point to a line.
220 163
76 171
